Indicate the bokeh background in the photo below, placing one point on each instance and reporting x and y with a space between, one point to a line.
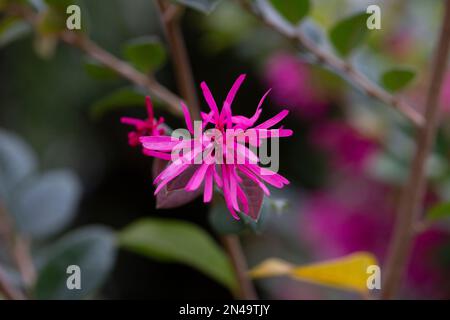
346 161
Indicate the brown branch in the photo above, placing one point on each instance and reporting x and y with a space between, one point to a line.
340 66
411 203
107 59
246 291
7 289
183 71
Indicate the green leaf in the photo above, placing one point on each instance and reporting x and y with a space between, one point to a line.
12 29
292 10
179 241
222 221
439 211
17 161
397 79
45 204
52 21
205 6
146 54
99 71
349 33
122 98
92 248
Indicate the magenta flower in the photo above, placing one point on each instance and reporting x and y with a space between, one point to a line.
147 127
293 85
219 165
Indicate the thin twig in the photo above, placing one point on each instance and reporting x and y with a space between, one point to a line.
246 291
7 289
355 77
411 203
102 56
183 71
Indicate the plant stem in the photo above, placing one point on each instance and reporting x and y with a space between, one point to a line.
339 66
246 291
411 202
7 289
183 71
186 85
102 56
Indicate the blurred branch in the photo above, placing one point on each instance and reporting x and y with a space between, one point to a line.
170 14
102 56
124 69
18 249
340 66
411 203
246 290
7 289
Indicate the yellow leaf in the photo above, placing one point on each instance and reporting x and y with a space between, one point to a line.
271 268
348 272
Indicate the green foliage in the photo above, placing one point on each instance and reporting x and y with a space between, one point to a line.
205 6
397 79
122 98
12 29
147 53
223 223
45 204
99 71
93 249
179 241
17 161
292 10
439 211
349 33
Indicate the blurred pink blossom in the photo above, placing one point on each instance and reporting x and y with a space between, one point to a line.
293 86
346 147
334 226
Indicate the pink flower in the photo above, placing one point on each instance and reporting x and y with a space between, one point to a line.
215 167
347 147
445 94
147 127
293 85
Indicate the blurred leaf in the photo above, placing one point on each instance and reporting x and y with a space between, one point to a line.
293 10
439 211
173 194
146 54
387 168
45 45
349 33
205 6
98 71
255 197
348 272
122 98
397 79
51 21
91 248
222 221
179 241
44 205
17 161
12 29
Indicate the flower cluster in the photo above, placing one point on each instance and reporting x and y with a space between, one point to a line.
214 169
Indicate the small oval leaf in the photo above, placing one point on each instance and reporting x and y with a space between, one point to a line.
397 79
92 249
146 54
292 10
44 205
122 98
439 211
349 33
